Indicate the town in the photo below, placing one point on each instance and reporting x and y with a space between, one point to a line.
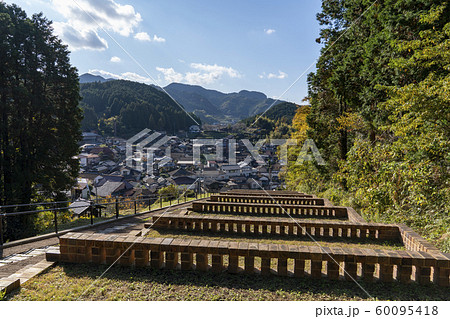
106 171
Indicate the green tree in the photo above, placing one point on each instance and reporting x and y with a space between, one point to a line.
405 176
380 114
169 192
39 114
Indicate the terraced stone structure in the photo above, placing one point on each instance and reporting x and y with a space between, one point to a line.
251 215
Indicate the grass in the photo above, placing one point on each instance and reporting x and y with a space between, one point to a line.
82 282
289 240
69 282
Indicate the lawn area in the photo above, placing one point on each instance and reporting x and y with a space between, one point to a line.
289 240
69 282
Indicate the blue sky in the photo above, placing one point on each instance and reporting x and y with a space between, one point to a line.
227 45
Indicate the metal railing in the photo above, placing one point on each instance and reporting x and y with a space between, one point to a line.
98 209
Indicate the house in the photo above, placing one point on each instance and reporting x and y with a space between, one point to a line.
212 173
263 181
229 186
81 190
102 179
231 170
87 147
90 138
246 169
88 159
165 163
212 164
83 207
161 181
213 186
101 168
129 173
103 152
185 182
252 184
180 172
186 163
111 188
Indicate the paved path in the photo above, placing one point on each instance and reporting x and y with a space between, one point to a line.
22 262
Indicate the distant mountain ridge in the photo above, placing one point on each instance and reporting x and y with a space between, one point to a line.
215 106
123 108
89 78
210 106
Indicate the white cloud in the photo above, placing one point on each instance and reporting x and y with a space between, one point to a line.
85 18
269 31
92 14
202 74
130 76
115 59
281 75
80 39
216 69
158 39
206 74
170 75
142 36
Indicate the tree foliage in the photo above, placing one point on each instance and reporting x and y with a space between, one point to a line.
124 108
380 112
39 114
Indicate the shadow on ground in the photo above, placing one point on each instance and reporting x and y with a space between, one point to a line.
78 281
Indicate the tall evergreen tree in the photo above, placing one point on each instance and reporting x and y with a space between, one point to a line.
40 118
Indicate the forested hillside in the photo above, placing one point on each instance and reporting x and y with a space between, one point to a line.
276 122
380 111
284 111
214 106
124 108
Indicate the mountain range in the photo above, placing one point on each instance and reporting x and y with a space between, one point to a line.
88 78
210 106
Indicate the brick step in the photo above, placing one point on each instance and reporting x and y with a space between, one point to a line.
311 211
266 193
276 226
386 265
257 199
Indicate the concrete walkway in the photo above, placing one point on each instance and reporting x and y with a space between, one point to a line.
24 261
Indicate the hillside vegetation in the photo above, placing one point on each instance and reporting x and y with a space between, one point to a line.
380 111
124 108
274 122
214 106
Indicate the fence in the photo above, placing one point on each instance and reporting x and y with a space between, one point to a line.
57 216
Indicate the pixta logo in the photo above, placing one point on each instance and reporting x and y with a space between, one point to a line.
141 150
308 152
